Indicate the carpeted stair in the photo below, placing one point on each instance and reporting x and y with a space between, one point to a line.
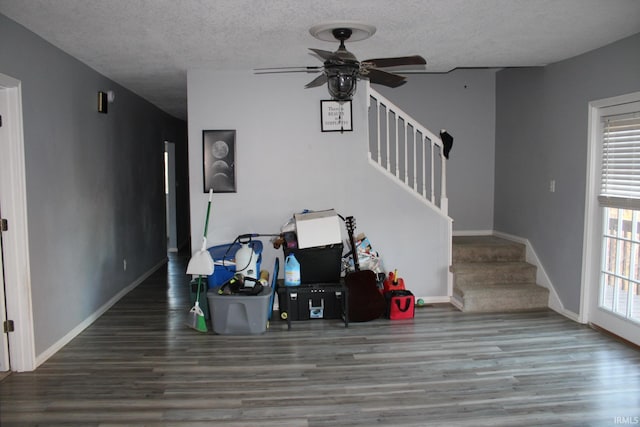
490 274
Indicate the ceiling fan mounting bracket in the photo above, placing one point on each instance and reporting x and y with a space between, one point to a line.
357 30
342 34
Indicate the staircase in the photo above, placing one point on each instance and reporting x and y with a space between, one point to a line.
490 274
408 153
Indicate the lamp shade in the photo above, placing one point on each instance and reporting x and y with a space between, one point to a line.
341 81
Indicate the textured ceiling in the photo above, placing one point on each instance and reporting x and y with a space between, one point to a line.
148 45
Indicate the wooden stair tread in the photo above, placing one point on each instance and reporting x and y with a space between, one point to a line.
466 267
502 287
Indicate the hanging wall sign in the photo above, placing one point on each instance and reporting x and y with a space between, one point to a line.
336 116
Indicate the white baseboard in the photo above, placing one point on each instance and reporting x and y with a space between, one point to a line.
42 357
433 300
542 278
456 303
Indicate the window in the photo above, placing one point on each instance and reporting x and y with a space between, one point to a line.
620 203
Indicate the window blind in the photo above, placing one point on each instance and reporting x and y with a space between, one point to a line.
621 161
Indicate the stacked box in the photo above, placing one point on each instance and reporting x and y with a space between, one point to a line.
318 228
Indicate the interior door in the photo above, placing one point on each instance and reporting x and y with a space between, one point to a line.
15 254
4 339
170 194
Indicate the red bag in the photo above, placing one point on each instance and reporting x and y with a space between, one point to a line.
400 305
393 283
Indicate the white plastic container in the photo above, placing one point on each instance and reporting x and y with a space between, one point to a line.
291 271
246 261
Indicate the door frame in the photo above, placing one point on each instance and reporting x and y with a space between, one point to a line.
592 242
13 197
5 362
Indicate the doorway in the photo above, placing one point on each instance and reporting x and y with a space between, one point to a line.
5 365
170 195
15 242
611 267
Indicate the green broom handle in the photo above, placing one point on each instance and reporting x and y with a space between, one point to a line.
206 221
199 284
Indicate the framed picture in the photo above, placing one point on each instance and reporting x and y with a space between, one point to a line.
219 160
335 116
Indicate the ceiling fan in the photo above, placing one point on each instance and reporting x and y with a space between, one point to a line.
341 70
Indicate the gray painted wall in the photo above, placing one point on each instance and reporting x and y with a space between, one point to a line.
463 102
94 182
541 134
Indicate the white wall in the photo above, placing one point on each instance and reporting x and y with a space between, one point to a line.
286 164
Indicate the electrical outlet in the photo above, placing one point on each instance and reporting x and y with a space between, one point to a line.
552 186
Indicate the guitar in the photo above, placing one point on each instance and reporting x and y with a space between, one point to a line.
365 300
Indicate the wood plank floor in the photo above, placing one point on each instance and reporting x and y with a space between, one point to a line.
139 365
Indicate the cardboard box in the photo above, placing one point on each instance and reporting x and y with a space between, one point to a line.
319 228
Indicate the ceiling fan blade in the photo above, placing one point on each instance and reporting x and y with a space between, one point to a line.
326 55
318 81
274 70
395 62
384 78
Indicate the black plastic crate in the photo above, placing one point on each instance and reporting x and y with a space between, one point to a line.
316 301
318 265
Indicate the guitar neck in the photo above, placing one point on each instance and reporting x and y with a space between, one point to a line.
351 226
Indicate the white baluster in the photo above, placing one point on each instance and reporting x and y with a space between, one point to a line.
406 152
433 172
378 131
415 160
444 200
397 142
386 116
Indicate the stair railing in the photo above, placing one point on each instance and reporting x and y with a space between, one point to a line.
407 152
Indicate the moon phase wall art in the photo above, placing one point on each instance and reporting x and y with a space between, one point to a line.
219 151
